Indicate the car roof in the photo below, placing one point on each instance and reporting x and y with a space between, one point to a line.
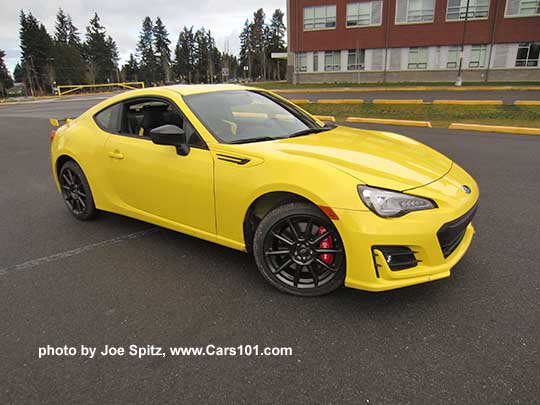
188 89
181 89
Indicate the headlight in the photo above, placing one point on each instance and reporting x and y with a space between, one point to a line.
387 203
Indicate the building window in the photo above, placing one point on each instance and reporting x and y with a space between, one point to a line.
457 9
332 61
315 61
301 62
528 54
453 57
478 56
319 18
355 59
418 58
414 11
522 8
364 14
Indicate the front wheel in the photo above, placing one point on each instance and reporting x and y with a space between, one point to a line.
299 250
76 191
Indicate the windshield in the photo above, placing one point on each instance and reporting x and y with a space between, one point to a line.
240 116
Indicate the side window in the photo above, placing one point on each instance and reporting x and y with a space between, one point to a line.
140 116
192 137
109 119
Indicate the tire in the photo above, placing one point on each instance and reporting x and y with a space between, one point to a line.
76 191
293 253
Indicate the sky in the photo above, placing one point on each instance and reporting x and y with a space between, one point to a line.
123 19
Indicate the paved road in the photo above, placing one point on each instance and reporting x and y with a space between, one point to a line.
508 97
472 338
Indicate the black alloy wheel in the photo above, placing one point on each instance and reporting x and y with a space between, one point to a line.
299 250
76 191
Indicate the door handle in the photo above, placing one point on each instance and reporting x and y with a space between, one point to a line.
116 155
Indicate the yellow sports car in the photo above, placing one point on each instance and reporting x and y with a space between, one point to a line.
317 205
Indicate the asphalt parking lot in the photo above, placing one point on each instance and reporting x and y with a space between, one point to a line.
472 338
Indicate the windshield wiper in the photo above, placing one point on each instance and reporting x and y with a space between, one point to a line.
312 131
260 139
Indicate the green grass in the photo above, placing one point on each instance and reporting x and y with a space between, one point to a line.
285 85
439 115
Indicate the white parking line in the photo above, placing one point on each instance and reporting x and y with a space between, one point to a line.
69 253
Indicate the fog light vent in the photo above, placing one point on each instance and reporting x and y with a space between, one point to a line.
397 257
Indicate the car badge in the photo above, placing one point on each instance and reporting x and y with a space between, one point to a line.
467 189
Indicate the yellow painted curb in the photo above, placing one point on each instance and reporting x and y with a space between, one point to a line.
496 128
385 101
325 118
338 101
527 102
423 88
385 121
468 102
302 101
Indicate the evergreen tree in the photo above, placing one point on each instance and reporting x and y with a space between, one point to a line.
68 62
74 38
207 57
276 41
61 27
184 66
148 63
130 70
115 56
162 51
5 78
246 49
36 46
18 73
214 58
201 56
258 41
99 53
259 45
231 63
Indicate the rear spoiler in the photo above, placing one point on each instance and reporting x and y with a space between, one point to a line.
56 122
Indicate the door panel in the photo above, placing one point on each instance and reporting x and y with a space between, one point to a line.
156 180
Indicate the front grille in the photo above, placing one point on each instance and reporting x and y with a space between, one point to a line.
451 234
397 257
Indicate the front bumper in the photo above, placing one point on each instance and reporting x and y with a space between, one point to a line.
360 232
438 237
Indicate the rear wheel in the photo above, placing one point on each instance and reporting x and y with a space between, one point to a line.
299 250
76 191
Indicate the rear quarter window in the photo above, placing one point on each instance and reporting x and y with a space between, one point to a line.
109 118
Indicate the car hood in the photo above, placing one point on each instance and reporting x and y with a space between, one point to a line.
376 158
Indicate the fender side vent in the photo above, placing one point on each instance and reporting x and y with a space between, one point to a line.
233 159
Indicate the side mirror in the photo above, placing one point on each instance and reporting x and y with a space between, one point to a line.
170 135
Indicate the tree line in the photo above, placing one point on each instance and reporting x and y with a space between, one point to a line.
69 57
258 40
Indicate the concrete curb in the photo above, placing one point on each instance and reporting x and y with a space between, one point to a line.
300 101
327 118
337 101
468 102
495 128
527 102
426 88
385 101
409 123
413 102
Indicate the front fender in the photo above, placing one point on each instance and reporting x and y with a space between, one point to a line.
237 187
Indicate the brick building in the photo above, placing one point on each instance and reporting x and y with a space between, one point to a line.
413 40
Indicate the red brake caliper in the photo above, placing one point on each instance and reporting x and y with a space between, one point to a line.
326 243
